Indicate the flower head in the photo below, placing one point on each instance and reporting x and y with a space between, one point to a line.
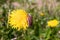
29 20
18 19
53 23
41 14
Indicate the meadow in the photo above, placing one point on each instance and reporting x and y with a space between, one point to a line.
29 19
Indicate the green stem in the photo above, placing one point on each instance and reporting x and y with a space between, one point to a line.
27 36
48 34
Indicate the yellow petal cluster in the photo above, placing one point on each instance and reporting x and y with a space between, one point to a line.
42 14
18 19
53 23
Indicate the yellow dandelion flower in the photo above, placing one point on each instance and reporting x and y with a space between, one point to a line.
41 14
53 23
18 19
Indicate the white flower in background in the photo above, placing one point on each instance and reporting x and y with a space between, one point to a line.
13 38
59 32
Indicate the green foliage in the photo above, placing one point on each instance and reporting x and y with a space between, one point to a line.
38 30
